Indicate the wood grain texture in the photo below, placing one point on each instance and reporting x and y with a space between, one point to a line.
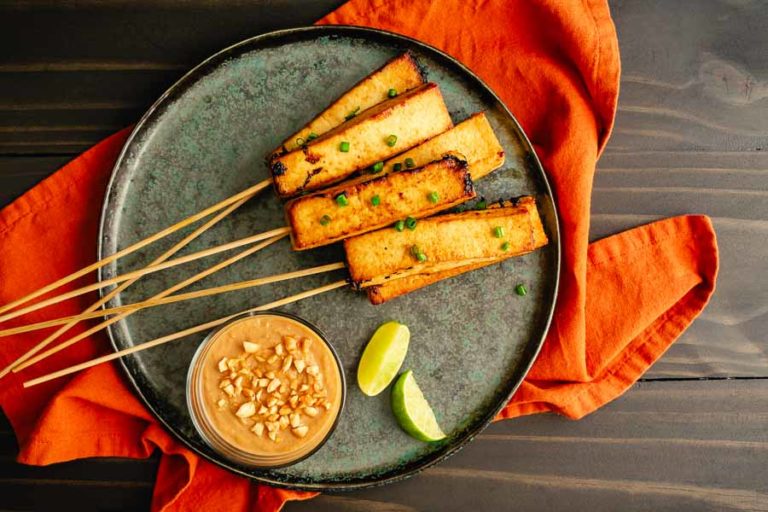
691 137
663 446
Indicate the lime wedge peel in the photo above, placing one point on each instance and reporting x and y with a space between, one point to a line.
383 357
412 410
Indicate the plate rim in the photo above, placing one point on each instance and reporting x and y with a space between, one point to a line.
426 461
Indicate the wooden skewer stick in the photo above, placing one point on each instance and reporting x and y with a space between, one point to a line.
247 193
146 270
106 298
179 298
183 284
181 334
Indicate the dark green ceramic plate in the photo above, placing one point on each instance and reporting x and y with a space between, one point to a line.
205 139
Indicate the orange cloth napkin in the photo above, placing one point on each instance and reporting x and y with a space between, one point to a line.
623 300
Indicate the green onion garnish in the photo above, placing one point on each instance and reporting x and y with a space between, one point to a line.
416 252
391 140
505 246
312 136
397 167
392 93
352 114
377 167
376 200
399 225
410 223
342 200
344 147
409 162
300 141
481 205
498 232
520 290
325 220
433 197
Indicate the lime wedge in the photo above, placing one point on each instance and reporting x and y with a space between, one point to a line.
412 410
382 357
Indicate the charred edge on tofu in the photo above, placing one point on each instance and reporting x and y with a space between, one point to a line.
311 174
458 162
309 156
278 168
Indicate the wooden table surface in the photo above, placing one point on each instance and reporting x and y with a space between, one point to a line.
691 137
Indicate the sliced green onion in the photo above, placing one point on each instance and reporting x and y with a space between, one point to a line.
312 136
434 197
300 141
377 167
416 252
392 93
325 220
481 205
376 200
410 223
344 147
498 232
409 162
505 246
342 200
399 225
397 167
391 140
352 114
520 290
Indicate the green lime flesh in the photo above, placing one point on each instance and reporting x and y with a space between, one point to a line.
383 357
412 410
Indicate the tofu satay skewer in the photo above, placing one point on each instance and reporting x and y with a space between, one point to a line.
449 178
399 109
479 218
436 245
396 76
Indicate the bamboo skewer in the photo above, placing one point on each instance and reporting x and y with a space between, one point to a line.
21 365
106 298
146 270
179 298
247 193
181 334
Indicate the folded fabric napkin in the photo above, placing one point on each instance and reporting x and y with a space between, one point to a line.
623 300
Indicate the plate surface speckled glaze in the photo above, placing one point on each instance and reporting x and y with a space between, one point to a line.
473 339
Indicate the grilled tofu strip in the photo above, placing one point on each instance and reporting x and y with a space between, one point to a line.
412 117
447 241
397 287
401 74
472 139
324 218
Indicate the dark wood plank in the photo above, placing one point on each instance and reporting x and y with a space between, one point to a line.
691 136
82 70
19 174
663 446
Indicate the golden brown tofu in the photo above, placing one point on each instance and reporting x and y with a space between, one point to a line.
350 209
401 74
397 287
472 139
412 117
446 241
